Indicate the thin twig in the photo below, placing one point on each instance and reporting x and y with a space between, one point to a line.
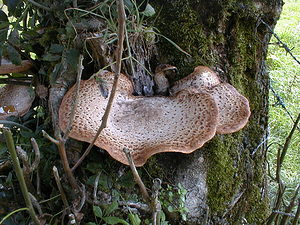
35 203
63 155
96 187
156 206
136 176
53 140
121 23
286 146
40 5
74 99
290 207
61 190
297 215
19 173
9 81
37 158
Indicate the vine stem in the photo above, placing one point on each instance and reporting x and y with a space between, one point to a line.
121 24
19 172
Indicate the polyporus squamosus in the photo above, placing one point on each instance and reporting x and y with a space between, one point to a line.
15 100
182 122
234 110
8 67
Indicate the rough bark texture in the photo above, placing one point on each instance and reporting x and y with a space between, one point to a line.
226 179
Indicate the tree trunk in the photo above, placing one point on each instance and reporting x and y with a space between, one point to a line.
226 179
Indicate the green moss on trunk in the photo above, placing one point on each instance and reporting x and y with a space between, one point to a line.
225 35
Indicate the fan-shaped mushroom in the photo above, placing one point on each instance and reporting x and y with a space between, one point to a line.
15 100
146 125
8 67
234 110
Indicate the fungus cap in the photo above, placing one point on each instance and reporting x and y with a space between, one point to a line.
15 100
145 125
8 67
234 109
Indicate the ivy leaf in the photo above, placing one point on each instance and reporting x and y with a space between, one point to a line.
114 220
97 211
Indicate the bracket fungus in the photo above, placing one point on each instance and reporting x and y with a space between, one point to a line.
8 67
15 100
182 122
234 110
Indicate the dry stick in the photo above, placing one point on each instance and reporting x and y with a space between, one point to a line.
280 159
37 158
63 155
61 190
136 176
35 203
121 23
26 167
274 215
288 140
297 215
156 206
290 207
74 99
19 173
285 148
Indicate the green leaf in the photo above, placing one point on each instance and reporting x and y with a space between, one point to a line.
72 58
149 11
14 55
50 57
134 219
112 207
91 223
4 23
97 211
114 220
170 208
93 167
14 38
56 48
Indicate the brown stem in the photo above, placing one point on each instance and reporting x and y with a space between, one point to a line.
297 215
290 207
136 176
61 190
63 155
121 21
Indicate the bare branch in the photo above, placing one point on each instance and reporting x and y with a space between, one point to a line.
37 158
136 176
119 50
61 190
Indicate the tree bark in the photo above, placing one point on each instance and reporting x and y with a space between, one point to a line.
226 179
